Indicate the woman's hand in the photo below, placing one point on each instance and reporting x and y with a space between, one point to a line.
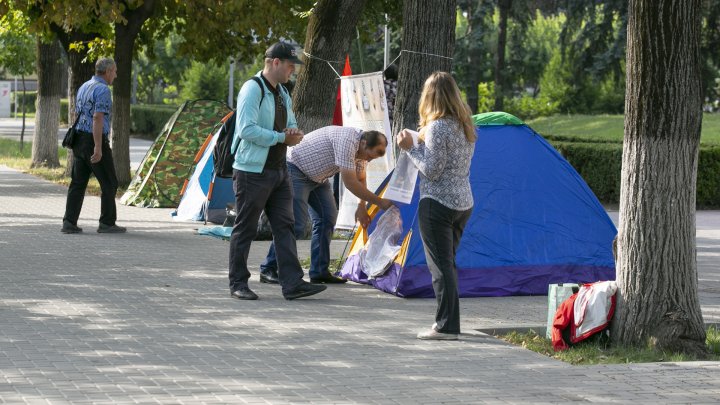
404 139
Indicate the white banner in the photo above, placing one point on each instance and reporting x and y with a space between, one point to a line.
364 106
5 88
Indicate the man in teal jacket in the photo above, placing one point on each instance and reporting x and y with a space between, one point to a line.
264 128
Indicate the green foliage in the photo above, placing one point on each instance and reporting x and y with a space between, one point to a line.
537 49
610 94
212 30
158 67
243 72
710 50
598 350
17 45
708 178
149 120
28 99
205 81
527 106
486 97
713 340
64 110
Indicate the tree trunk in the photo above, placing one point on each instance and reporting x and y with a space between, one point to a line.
504 6
47 114
656 270
120 116
125 35
329 34
429 30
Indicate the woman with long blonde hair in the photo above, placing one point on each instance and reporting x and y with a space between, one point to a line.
442 155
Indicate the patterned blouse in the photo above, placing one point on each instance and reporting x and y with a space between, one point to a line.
444 164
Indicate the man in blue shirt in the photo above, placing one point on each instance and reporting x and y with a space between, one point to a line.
265 127
91 151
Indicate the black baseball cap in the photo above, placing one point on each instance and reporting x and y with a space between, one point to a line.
284 51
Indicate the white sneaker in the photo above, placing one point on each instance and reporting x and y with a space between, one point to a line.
432 334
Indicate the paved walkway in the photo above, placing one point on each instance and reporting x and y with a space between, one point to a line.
145 317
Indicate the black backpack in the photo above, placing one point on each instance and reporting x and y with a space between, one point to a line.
223 155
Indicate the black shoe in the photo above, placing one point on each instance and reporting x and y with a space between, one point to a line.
327 279
111 229
70 228
269 277
303 290
244 293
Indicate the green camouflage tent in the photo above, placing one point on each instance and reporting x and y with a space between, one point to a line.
160 177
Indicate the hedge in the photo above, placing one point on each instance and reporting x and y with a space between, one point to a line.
149 120
145 120
30 97
600 163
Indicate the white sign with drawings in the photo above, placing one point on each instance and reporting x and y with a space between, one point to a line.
5 88
364 106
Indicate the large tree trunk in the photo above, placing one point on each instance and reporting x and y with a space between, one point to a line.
429 33
656 270
504 6
47 115
330 31
81 70
125 35
121 106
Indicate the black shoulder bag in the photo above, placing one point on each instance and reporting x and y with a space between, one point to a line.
69 139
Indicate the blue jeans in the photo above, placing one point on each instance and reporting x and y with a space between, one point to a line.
323 211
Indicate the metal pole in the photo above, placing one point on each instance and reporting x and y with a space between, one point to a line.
15 93
360 52
231 82
386 61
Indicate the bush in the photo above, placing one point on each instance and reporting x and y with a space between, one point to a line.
528 107
149 120
205 81
600 164
64 111
30 98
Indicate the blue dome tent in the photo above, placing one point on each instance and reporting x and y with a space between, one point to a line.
535 222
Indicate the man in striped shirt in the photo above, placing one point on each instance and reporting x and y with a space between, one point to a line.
322 154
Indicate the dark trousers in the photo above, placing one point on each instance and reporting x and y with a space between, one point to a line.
441 229
323 211
270 190
104 172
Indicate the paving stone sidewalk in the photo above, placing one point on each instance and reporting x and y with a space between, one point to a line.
145 317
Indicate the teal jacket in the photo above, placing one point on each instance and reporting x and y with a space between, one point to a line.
254 123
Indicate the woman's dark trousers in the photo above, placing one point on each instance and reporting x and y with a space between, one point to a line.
441 229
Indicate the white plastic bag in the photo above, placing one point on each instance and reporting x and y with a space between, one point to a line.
401 186
382 246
